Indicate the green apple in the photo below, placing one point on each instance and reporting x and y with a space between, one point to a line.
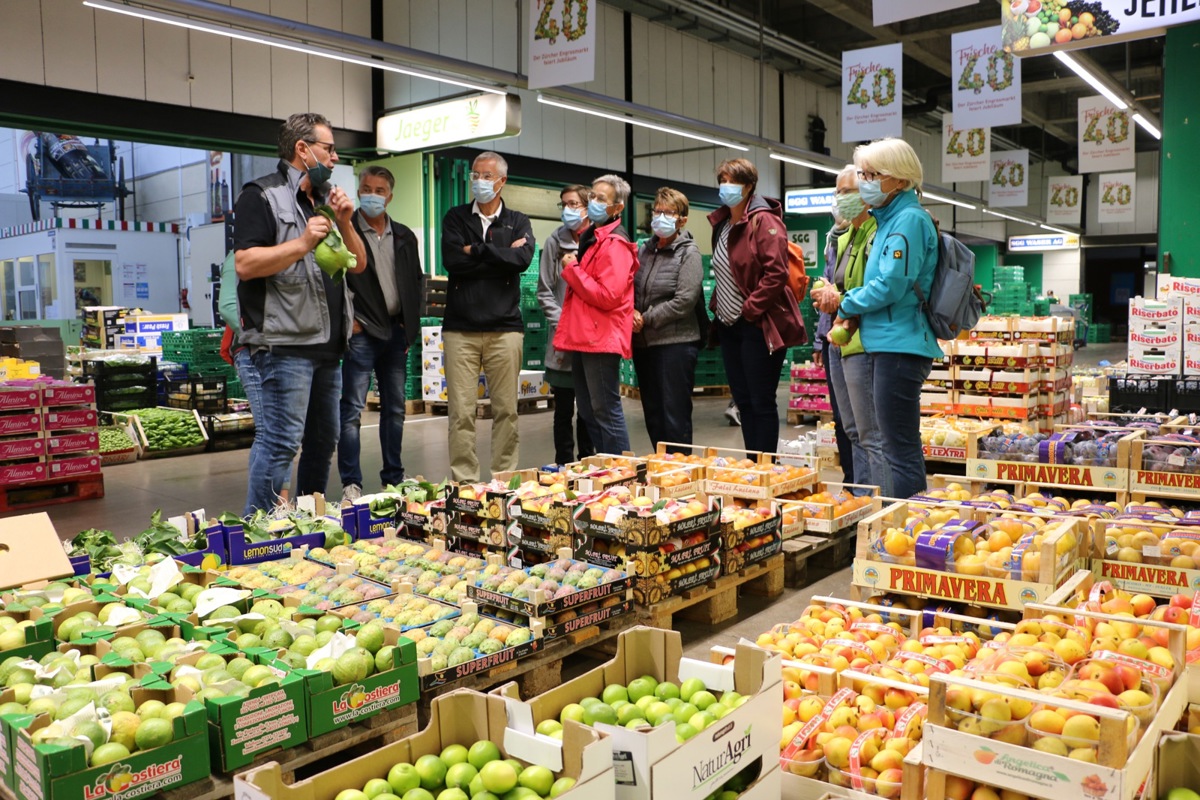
614 692
641 687
690 687
666 690
571 711
548 727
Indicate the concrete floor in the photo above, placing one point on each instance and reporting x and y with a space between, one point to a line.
217 482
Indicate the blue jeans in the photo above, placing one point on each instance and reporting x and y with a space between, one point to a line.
898 378
299 401
251 387
666 374
854 388
598 397
388 360
753 375
844 448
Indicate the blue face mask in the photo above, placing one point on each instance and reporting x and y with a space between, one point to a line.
731 194
663 226
484 191
597 212
872 194
572 218
372 204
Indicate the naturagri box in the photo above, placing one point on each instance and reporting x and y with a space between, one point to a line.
651 764
461 717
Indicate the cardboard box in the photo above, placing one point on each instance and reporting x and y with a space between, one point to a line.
431 339
1159 335
103 315
68 394
16 398
1154 361
433 388
1143 312
462 717
32 551
24 449
155 324
531 383
47 772
651 764
68 419
63 468
149 342
330 706
25 472
81 442
433 363
19 423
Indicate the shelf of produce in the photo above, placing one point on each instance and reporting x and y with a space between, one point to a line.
1153 472
716 601
1070 477
955 444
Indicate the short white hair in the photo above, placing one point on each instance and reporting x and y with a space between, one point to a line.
849 171
894 157
619 185
488 155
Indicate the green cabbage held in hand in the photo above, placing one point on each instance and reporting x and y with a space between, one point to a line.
332 255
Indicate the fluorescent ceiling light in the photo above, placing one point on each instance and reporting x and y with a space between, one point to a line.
641 123
800 162
937 198
1092 80
1008 216
1057 230
283 44
1147 126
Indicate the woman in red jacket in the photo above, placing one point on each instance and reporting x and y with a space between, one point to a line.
758 317
597 313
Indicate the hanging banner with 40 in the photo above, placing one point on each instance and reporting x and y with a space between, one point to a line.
1118 198
987 91
872 93
1008 187
1105 140
966 152
1062 200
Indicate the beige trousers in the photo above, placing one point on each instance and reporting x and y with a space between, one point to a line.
498 355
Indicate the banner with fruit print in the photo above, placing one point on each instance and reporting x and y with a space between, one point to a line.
1105 136
1064 200
562 42
966 152
1118 198
1037 27
885 12
872 93
1008 187
987 87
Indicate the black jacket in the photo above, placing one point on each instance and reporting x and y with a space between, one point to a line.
484 292
370 308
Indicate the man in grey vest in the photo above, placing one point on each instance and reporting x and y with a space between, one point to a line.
295 318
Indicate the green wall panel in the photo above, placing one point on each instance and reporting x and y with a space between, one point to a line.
1179 228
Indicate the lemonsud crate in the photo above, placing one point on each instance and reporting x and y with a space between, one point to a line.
462 717
650 763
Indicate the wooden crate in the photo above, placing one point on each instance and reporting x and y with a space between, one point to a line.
716 601
1149 479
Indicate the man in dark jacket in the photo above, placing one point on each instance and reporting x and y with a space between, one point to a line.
485 248
386 319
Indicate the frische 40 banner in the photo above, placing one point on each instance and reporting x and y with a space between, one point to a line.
966 152
987 80
1118 197
872 93
562 42
1064 199
1008 187
1105 136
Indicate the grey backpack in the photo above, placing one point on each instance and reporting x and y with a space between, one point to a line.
955 303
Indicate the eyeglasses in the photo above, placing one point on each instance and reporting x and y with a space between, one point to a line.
666 212
871 176
329 146
485 176
570 204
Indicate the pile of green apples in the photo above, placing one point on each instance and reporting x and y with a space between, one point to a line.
647 702
461 773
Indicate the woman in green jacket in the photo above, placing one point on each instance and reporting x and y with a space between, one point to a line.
848 366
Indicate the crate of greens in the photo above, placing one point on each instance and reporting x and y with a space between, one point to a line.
116 446
162 432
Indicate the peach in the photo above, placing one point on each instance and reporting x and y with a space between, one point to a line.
837 752
888 784
887 759
958 788
1081 729
1046 721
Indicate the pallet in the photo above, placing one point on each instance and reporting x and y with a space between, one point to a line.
411 407
483 409
826 553
315 755
634 393
50 493
716 602
798 417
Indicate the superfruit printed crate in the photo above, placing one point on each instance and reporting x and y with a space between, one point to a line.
954 556
661 756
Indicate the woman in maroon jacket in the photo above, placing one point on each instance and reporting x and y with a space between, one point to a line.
758 317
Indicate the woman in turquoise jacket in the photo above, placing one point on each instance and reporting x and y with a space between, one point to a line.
895 334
